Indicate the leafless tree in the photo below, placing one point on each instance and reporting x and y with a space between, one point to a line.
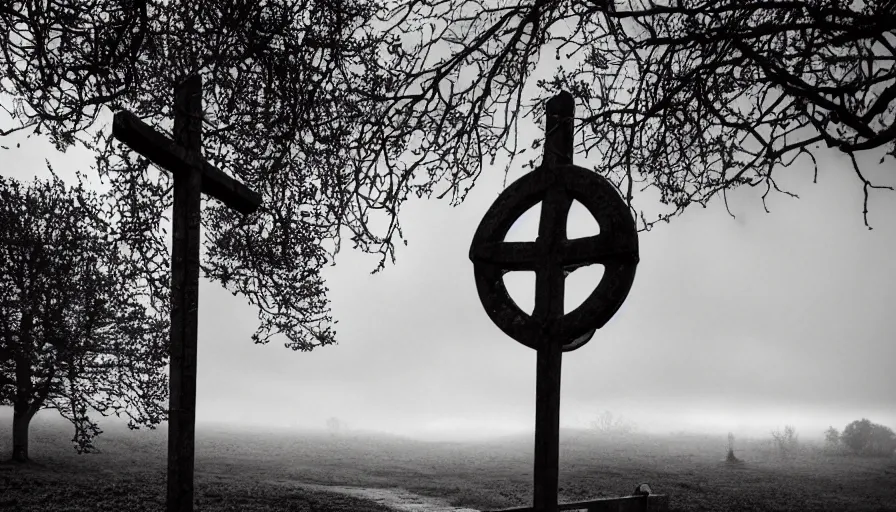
337 111
690 98
282 112
606 423
787 441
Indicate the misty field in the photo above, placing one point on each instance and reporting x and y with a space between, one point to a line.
268 471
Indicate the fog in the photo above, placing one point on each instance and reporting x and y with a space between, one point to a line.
742 325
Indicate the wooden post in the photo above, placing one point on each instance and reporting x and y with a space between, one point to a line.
556 183
184 299
193 176
558 150
560 113
547 427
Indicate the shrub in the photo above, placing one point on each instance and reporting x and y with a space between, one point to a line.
866 438
787 441
607 424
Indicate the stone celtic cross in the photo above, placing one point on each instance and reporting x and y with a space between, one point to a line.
193 176
556 183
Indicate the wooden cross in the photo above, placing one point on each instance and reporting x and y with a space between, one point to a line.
193 176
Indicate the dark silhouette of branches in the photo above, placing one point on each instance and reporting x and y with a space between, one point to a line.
692 98
283 108
337 111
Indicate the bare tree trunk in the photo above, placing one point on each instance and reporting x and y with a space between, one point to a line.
20 422
22 407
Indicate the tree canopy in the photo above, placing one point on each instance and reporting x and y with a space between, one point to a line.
77 332
866 438
337 111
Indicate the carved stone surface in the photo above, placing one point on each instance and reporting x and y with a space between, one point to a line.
552 255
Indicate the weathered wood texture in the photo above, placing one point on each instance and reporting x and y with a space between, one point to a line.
649 503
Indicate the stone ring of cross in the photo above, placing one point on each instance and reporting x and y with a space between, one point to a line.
552 256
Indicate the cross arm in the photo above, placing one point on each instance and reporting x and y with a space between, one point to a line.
510 256
165 153
601 248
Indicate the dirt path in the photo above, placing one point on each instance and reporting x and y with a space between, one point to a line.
394 498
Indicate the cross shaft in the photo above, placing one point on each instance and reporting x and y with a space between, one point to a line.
549 292
193 176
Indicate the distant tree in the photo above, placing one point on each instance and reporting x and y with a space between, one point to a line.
690 98
787 441
730 457
866 438
78 333
832 439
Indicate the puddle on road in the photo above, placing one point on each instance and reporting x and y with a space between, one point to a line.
394 498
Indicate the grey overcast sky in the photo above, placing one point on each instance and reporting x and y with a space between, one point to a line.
742 324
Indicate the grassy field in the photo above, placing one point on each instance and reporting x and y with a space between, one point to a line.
260 471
